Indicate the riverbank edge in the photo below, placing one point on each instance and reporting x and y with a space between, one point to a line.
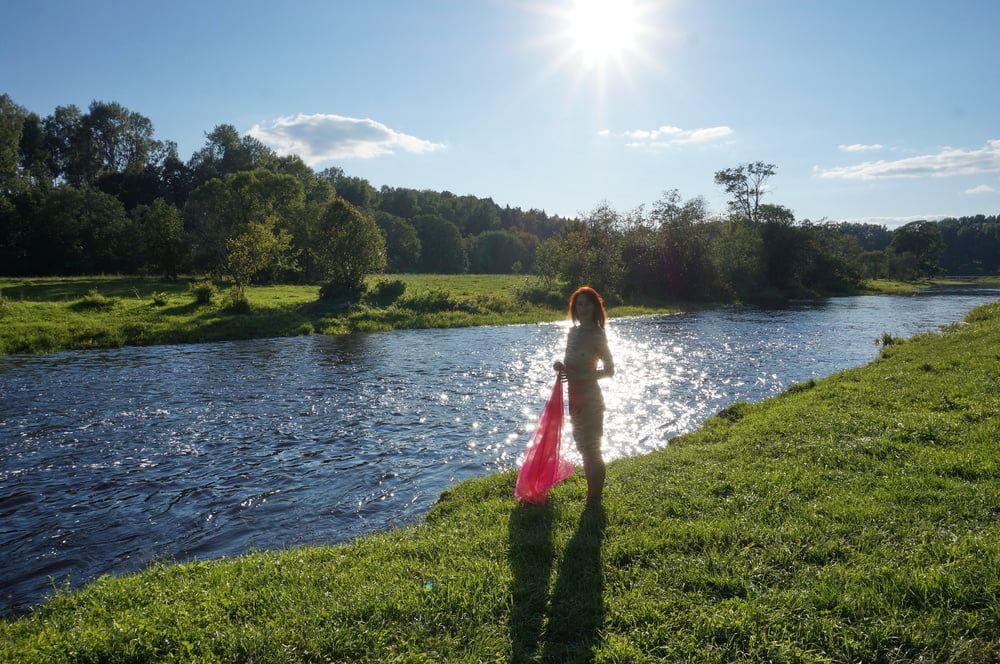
849 518
146 312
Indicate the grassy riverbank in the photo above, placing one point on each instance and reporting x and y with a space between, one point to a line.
890 287
42 315
852 518
48 314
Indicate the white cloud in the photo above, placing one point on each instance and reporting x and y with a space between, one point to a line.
322 137
859 147
981 189
665 136
947 162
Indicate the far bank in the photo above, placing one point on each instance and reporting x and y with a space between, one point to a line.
49 314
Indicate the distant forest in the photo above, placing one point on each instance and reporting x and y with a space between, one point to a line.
95 191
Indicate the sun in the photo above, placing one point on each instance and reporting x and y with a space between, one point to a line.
602 45
600 31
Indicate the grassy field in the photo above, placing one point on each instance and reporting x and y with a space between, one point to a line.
42 315
853 518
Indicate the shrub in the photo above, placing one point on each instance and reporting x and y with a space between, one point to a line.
385 292
429 301
342 291
433 301
538 291
240 304
204 291
887 340
92 299
159 299
484 303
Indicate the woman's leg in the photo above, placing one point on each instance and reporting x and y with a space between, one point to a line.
588 429
593 469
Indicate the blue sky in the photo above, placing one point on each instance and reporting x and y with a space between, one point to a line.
870 110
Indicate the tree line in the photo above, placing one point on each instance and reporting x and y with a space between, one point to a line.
96 191
675 248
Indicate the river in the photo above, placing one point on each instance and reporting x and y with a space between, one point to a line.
111 459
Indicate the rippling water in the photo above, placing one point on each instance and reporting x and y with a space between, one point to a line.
111 459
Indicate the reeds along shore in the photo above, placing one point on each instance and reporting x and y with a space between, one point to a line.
853 518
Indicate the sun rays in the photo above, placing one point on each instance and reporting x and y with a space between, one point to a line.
598 43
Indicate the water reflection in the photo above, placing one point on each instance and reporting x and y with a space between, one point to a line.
109 459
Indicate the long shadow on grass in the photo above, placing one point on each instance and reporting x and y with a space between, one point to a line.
529 534
577 610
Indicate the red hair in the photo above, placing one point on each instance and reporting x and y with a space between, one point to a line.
600 313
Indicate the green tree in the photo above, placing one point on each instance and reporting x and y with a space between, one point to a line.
685 237
873 265
118 139
745 185
34 153
483 217
222 209
350 246
402 246
399 202
442 250
259 247
923 240
738 261
12 119
356 191
495 252
175 176
65 138
163 239
225 153
79 230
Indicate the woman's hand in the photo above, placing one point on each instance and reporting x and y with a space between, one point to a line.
561 370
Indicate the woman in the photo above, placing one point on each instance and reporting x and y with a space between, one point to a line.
586 345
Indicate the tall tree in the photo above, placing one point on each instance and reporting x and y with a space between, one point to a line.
402 245
227 152
441 248
12 119
745 185
79 231
222 209
34 153
65 139
162 232
119 139
350 247
496 252
923 240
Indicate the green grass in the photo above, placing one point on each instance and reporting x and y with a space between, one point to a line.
853 518
891 287
42 315
991 280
